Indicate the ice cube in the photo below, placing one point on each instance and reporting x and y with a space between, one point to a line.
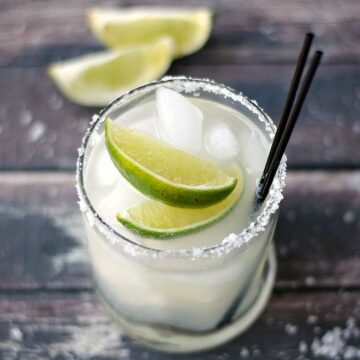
178 121
254 152
106 171
220 141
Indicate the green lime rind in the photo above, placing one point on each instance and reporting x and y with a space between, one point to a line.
159 187
120 28
163 233
96 79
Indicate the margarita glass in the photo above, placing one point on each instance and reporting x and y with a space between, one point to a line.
199 290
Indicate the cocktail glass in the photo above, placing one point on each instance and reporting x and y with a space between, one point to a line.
195 297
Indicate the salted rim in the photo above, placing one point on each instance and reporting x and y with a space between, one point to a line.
232 241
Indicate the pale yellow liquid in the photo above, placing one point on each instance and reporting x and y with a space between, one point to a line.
110 193
147 295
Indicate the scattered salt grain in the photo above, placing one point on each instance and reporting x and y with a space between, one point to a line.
56 102
291 329
256 352
327 141
81 151
244 353
26 117
312 319
349 217
36 132
15 334
310 281
317 330
90 219
303 348
196 252
82 206
338 342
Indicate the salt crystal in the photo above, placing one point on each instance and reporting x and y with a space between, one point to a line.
327 141
26 117
178 121
220 141
56 102
82 206
291 329
303 348
334 343
312 319
349 217
267 30
244 353
90 219
310 281
95 138
256 352
15 334
35 132
196 252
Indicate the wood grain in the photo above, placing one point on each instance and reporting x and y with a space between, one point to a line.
47 306
42 235
42 130
33 33
73 326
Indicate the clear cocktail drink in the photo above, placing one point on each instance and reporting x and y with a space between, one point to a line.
193 291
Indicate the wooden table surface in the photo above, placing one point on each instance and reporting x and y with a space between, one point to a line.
47 306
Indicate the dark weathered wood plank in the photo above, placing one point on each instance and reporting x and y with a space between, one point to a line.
42 235
42 130
60 326
33 33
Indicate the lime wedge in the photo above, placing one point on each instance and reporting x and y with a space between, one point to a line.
188 28
164 172
99 78
153 218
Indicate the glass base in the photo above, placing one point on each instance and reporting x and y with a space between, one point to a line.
167 339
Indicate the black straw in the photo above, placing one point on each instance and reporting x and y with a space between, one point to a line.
291 96
284 137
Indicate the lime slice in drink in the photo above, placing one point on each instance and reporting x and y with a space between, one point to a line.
153 218
99 78
164 172
188 28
